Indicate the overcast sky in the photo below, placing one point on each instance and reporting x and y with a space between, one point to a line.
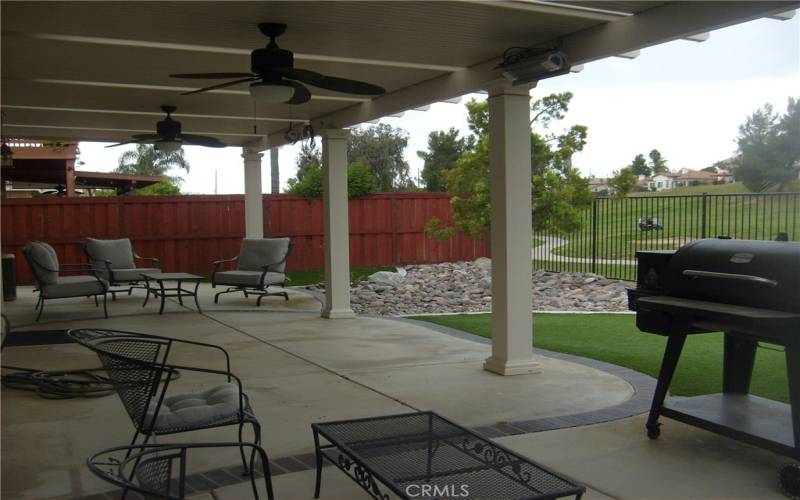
683 98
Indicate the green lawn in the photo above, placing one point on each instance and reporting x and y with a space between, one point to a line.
615 339
299 278
619 235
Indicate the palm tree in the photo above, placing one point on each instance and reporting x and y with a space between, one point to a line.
147 160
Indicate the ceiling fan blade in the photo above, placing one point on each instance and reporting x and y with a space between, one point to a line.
303 75
146 137
301 93
211 76
221 85
134 141
342 84
201 140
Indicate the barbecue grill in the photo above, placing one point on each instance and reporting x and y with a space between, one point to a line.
750 290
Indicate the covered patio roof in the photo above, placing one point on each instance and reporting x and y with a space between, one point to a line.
99 71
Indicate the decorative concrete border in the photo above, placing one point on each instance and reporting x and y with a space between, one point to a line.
643 387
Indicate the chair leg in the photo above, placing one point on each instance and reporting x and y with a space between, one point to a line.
105 308
247 470
41 309
136 464
96 304
38 304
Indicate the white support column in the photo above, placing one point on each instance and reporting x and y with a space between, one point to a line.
510 160
253 199
337 229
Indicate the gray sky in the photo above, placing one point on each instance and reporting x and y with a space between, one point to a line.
683 98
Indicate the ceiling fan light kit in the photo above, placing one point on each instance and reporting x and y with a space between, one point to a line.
271 92
167 146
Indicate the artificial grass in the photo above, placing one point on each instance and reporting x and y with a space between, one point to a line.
614 338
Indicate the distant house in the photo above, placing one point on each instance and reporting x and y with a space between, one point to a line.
662 182
599 185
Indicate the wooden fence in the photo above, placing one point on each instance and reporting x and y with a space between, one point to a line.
189 232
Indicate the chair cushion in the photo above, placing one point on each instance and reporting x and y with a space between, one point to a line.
133 274
73 286
119 252
247 278
186 411
43 260
257 253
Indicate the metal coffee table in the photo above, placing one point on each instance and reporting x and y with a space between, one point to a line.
177 291
424 455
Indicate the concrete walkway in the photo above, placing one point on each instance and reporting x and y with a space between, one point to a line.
545 252
299 369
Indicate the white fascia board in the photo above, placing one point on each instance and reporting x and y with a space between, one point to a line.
663 24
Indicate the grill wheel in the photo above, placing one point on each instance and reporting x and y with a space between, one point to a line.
789 480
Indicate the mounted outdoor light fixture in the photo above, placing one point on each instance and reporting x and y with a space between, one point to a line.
524 65
167 146
7 156
7 160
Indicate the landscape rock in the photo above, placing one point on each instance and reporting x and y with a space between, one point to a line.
386 278
466 287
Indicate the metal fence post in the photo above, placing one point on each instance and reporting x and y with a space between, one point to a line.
703 215
594 235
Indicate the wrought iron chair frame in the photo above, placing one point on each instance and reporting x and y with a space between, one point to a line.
163 375
112 281
115 471
262 290
64 269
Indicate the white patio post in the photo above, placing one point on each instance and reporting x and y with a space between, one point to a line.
337 230
510 160
253 199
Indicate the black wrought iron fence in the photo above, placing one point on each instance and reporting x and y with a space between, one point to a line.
614 229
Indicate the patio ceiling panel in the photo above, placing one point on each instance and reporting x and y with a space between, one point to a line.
422 52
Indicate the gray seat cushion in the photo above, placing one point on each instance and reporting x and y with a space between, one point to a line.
257 253
118 252
43 261
186 411
133 274
247 278
73 286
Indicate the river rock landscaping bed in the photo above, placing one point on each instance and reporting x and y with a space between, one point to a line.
466 287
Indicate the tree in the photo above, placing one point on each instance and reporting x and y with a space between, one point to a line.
623 181
381 149
712 169
769 148
444 150
559 192
306 158
639 166
658 164
360 181
147 160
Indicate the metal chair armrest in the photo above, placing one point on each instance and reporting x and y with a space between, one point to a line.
217 264
152 259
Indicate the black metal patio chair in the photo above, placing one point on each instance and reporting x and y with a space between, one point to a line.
138 366
115 261
159 470
50 282
261 263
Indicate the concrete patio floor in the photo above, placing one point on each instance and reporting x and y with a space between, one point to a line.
298 369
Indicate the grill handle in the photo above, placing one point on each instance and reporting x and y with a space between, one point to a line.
739 277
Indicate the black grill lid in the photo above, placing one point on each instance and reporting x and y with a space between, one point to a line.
742 272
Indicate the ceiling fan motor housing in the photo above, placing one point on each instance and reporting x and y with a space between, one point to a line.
168 129
263 60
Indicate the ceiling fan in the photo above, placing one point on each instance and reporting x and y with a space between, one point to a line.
168 136
274 78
